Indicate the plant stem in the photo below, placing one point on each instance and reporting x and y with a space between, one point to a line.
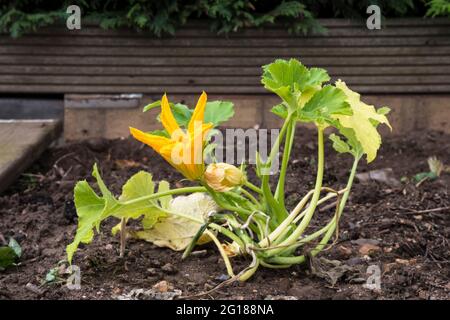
329 228
165 193
228 234
252 198
123 236
276 207
286 222
293 217
333 226
279 192
315 198
252 187
225 258
225 205
247 274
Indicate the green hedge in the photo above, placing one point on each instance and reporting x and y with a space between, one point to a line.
224 16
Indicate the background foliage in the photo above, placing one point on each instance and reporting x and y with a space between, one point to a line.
161 17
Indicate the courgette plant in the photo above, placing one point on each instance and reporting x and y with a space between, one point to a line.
251 217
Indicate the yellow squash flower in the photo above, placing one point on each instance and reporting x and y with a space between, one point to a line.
223 177
184 149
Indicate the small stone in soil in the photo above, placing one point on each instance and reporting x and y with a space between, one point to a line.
162 286
169 268
33 288
368 248
344 251
152 272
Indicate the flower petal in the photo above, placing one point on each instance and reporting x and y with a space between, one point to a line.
167 118
154 141
199 111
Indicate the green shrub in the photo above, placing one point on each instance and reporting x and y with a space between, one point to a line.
160 17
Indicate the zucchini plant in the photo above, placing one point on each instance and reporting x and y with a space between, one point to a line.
251 218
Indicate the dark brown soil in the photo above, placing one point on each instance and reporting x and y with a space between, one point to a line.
411 246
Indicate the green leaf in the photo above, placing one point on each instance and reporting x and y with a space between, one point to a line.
280 110
339 145
362 122
186 215
152 105
317 76
161 133
139 185
425 175
164 202
181 112
7 257
93 209
89 210
153 216
293 82
13 244
325 103
52 275
283 78
218 112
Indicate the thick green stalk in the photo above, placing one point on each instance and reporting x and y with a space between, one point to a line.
279 210
330 228
286 222
165 193
227 233
315 198
294 217
279 192
225 205
250 272
252 198
225 258
252 187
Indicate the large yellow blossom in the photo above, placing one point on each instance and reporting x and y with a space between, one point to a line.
184 149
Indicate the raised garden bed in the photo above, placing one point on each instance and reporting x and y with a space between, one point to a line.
403 229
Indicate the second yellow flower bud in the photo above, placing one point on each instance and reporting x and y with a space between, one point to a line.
223 177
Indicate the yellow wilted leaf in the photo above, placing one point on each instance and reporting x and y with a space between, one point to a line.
364 129
177 229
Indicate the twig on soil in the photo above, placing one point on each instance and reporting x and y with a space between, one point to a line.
123 236
328 206
412 211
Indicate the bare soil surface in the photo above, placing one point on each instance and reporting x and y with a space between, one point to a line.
403 228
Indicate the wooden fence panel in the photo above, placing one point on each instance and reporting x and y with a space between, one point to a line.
406 56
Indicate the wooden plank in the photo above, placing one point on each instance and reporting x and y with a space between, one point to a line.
204 32
75 51
212 70
229 42
196 89
326 22
232 81
221 61
22 142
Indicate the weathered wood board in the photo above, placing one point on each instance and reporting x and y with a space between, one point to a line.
21 142
407 56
